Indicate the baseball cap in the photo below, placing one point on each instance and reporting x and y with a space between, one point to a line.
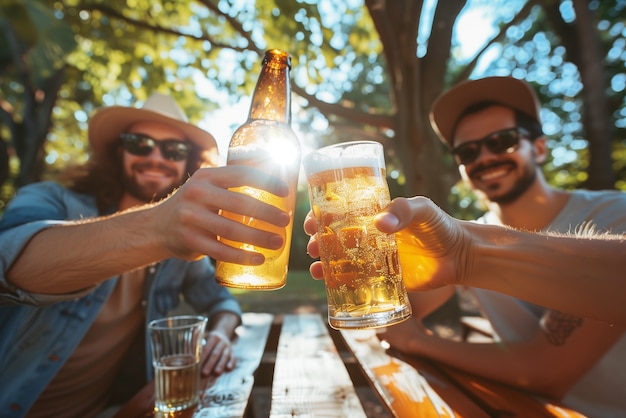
508 91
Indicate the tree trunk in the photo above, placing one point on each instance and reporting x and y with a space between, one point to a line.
584 49
595 101
415 84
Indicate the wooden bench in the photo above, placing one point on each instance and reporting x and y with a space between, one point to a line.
296 366
411 386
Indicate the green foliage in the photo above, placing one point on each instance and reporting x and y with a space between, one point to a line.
533 50
43 39
207 54
465 203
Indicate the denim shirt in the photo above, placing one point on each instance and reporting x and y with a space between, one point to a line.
39 332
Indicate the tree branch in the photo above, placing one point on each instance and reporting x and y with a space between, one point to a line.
235 24
162 29
380 121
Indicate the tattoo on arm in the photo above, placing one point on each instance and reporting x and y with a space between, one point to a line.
559 326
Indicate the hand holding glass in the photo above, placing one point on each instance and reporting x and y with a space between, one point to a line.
347 188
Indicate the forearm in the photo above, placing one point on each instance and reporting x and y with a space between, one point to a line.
582 276
426 302
513 364
78 255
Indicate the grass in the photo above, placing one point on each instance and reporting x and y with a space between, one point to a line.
300 292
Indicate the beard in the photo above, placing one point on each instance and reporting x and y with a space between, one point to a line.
151 192
521 185
519 188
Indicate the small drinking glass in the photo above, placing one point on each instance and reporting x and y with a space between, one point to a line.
176 348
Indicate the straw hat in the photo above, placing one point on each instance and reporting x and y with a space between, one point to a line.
106 125
508 91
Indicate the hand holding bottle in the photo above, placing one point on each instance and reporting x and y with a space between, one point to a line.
267 142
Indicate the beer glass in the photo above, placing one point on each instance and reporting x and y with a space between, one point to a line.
176 348
347 188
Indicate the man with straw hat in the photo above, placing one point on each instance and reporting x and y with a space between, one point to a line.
87 265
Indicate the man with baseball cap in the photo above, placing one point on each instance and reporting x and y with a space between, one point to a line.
492 127
84 267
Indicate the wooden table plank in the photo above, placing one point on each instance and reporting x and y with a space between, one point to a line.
228 396
310 378
407 389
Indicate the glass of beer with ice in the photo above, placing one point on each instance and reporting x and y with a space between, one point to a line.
347 188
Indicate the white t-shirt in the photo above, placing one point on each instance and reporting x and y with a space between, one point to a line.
601 392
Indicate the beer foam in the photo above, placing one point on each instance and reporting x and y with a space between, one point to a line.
334 157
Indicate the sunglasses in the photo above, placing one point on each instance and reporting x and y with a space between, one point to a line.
142 145
499 142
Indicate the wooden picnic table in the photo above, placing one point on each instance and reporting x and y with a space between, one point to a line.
296 366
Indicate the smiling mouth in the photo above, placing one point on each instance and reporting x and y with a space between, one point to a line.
154 173
492 173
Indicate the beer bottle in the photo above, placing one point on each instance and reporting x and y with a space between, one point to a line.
267 142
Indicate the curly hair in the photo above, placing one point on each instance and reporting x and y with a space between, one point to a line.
101 175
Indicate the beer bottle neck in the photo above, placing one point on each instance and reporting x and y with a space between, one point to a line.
271 99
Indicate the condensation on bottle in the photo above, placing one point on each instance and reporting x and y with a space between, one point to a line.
267 142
